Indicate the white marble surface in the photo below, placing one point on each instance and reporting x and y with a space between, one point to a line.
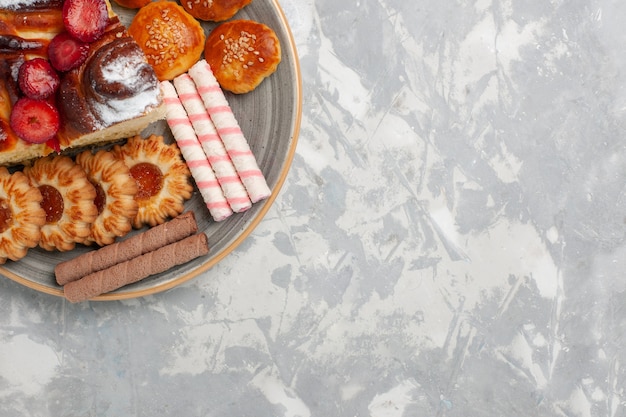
449 242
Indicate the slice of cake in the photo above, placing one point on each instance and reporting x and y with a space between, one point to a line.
113 94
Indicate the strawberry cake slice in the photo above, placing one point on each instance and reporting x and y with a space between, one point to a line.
70 76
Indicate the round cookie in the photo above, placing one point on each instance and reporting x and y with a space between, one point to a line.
162 177
171 38
214 10
21 215
241 54
68 201
115 195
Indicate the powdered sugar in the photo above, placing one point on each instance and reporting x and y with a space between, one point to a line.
17 4
125 71
115 111
121 70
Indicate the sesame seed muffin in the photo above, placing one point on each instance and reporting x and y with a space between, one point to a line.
214 10
242 53
171 38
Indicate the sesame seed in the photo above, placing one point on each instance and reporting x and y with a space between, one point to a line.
237 49
165 38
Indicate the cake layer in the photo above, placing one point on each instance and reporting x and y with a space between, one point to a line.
114 94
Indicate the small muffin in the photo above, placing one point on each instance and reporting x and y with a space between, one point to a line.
21 215
214 10
171 39
68 201
162 176
242 53
115 195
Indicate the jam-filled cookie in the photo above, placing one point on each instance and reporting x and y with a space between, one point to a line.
214 10
115 195
171 39
162 176
68 201
21 215
242 53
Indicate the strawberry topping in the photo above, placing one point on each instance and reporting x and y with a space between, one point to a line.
86 20
54 144
35 121
37 79
66 52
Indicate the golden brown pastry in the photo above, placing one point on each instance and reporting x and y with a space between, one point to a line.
21 215
242 53
68 201
171 39
98 101
214 10
115 195
162 177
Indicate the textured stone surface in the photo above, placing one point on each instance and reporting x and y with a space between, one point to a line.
449 241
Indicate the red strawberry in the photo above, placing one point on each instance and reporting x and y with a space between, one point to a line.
35 121
37 79
54 144
66 52
86 20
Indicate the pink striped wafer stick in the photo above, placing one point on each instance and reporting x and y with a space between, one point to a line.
193 154
225 172
229 131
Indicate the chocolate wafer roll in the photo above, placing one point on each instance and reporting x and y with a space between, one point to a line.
174 230
137 268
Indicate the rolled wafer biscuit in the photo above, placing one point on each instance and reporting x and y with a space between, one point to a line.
213 147
229 131
176 229
138 268
194 155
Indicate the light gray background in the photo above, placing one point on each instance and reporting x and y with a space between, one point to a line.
449 241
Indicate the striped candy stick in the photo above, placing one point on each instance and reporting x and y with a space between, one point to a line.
225 172
194 156
229 131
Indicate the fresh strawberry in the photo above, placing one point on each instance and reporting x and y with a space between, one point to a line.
37 79
86 20
66 52
54 144
35 121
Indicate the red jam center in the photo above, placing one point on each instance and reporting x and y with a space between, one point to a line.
149 179
100 200
6 215
52 203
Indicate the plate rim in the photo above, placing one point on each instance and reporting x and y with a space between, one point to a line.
294 135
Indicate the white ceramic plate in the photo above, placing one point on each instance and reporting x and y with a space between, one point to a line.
269 117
